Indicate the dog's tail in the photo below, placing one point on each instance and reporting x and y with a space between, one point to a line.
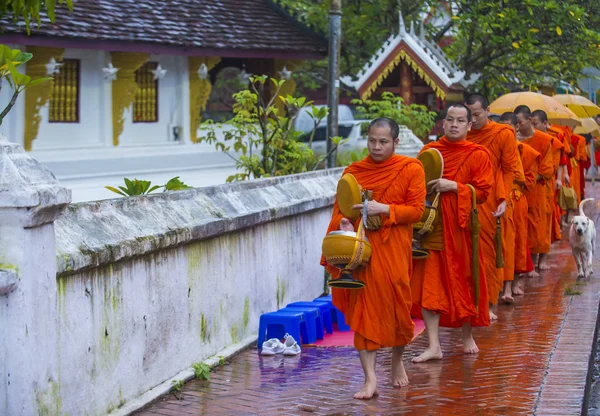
581 206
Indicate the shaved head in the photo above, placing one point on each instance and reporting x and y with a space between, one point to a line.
523 110
477 98
508 118
541 114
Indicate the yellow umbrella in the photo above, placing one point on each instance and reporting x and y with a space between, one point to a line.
588 126
557 113
578 104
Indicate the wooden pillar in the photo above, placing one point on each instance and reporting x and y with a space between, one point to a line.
406 84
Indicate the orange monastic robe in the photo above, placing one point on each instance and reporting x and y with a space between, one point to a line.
380 313
529 159
499 140
443 282
517 203
552 196
538 234
583 160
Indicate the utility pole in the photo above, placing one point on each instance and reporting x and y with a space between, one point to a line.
333 82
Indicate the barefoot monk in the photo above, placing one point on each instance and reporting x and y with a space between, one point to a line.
379 314
538 233
499 140
442 284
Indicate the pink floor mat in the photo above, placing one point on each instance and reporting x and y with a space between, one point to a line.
346 339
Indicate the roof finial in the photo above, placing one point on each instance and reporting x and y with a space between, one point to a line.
401 19
412 27
421 31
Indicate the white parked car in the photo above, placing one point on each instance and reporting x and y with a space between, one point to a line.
356 133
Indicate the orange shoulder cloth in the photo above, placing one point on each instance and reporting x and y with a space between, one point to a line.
378 176
485 135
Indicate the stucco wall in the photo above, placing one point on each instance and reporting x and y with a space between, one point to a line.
147 286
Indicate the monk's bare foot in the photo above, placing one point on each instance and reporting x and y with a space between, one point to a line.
493 316
543 262
516 289
544 266
368 391
399 377
507 299
532 273
428 355
470 346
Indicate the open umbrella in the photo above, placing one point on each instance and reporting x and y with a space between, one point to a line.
578 104
588 126
557 113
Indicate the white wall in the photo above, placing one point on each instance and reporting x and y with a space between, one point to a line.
170 106
92 127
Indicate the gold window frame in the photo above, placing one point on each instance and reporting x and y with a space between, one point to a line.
65 100
145 104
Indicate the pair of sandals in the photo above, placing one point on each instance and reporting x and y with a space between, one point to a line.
274 346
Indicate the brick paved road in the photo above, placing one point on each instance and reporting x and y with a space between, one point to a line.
534 360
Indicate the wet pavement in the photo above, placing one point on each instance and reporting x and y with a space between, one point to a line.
534 360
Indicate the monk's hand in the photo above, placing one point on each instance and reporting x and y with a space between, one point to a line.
374 208
346 225
443 185
559 184
500 210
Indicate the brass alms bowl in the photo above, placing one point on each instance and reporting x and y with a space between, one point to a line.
347 251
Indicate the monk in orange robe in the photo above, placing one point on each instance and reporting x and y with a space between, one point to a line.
379 314
517 254
539 120
499 140
442 284
530 159
583 160
538 233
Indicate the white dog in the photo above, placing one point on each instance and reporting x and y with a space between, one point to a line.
582 238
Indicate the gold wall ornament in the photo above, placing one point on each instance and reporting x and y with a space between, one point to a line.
402 56
289 86
200 89
37 97
124 88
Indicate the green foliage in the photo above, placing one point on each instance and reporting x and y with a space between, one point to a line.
221 360
512 43
525 43
134 187
416 117
175 184
348 158
262 135
177 385
138 187
29 10
201 370
572 291
365 26
10 59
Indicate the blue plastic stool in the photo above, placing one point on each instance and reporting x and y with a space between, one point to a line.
314 322
324 309
336 315
277 324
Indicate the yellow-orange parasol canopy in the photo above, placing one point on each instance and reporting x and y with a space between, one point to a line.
588 126
578 104
556 112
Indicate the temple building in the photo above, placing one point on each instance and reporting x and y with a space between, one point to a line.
414 68
132 80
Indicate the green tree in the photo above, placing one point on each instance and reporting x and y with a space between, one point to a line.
366 24
416 117
512 44
523 44
29 10
261 137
